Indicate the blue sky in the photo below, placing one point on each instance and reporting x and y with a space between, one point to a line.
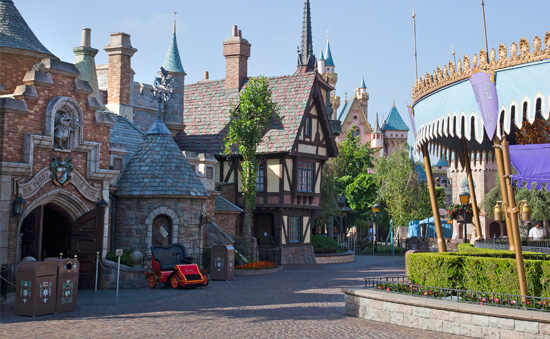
368 38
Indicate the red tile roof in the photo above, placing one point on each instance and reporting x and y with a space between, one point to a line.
207 106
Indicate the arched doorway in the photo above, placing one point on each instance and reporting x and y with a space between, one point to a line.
46 233
50 229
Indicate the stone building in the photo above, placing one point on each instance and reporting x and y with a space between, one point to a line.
85 166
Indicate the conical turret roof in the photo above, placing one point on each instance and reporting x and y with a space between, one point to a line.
15 33
158 168
321 56
394 122
172 62
328 56
363 83
377 129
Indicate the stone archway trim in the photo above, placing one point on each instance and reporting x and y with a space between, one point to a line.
31 187
62 198
162 210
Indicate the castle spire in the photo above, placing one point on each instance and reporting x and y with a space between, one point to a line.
172 62
363 83
306 58
377 129
328 55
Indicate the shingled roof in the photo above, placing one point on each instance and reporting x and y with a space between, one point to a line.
127 134
394 122
158 168
207 107
15 33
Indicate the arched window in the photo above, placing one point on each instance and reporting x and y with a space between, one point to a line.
162 230
357 132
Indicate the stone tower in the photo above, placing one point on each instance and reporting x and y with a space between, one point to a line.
173 108
363 97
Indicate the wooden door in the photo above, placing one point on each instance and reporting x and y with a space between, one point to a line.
86 241
263 230
32 234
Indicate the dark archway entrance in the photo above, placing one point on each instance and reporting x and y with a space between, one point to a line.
48 231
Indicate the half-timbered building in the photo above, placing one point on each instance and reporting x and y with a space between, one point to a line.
292 153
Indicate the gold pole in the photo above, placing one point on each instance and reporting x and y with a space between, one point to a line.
485 28
513 212
471 187
502 182
415 57
433 199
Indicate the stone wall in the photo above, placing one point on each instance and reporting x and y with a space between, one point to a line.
462 319
130 277
134 217
302 254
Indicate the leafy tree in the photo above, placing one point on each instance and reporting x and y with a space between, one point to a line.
348 175
250 119
405 197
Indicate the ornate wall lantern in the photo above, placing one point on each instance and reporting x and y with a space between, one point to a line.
464 198
18 206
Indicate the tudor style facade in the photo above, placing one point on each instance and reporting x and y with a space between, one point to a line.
292 153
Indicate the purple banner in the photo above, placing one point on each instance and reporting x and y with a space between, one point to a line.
532 162
485 90
413 122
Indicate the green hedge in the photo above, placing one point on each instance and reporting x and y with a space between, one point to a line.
322 244
482 272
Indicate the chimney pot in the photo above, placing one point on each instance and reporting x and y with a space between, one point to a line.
240 34
86 40
205 75
235 30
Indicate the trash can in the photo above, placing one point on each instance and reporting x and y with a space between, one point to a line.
67 283
222 263
35 291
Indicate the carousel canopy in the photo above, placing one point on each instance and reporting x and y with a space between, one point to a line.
446 109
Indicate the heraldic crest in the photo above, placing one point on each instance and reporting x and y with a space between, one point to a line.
61 170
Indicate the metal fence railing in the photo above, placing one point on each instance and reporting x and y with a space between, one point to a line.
402 285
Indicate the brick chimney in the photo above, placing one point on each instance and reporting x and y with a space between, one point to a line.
236 51
120 74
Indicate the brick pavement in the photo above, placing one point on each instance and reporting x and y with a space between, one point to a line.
303 301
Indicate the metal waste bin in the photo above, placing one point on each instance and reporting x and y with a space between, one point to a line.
67 283
223 263
36 288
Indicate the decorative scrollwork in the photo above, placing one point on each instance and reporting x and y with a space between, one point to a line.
162 86
442 77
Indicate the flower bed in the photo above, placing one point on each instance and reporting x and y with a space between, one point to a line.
472 297
257 265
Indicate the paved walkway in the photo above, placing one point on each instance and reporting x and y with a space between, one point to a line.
303 301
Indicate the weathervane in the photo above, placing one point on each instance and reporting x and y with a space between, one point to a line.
162 86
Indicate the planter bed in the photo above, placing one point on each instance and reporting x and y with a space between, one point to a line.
258 272
335 258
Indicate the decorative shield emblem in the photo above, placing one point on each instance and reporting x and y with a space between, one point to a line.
61 170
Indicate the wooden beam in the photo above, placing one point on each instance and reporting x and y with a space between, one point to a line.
468 169
503 190
512 209
441 246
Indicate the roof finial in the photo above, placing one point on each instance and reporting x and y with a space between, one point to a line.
328 35
393 95
175 21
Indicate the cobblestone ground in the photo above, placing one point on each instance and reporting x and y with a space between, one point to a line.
303 301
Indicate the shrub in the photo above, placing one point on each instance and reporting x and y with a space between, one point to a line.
124 259
323 244
435 270
486 271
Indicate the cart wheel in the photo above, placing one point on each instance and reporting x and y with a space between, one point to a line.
205 280
152 281
174 282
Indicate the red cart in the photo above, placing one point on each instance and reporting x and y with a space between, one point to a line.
171 267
